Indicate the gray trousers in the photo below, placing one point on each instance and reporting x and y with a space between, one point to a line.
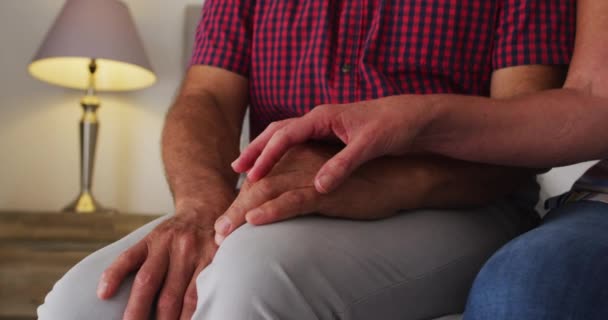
417 265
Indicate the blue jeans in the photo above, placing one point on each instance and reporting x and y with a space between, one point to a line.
556 271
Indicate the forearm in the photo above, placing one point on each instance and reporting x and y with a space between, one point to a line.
198 145
544 129
437 182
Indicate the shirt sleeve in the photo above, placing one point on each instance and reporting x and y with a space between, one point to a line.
534 32
223 36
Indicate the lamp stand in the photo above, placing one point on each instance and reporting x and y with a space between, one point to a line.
89 126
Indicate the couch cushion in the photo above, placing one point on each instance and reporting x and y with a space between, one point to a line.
559 180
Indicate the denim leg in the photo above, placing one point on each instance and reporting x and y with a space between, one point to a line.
557 271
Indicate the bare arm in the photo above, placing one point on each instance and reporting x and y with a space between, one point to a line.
544 129
449 183
201 137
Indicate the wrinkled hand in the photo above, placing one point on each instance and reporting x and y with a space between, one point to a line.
370 129
288 191
167 262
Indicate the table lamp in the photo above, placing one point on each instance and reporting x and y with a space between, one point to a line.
93 46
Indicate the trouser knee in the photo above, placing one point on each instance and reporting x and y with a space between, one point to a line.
257 274
74 296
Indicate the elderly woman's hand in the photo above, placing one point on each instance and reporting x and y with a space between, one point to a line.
370 129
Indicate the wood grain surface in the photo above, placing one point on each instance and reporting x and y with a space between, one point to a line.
36 249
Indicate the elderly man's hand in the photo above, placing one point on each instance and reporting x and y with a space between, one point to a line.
370 129
288 191
165 263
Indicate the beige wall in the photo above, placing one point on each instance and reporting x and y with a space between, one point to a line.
38 122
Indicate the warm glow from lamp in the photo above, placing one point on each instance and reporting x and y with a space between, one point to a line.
72 72
93 45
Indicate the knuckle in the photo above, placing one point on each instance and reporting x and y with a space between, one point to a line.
339 164
162 238
264 187
319 109
282 136
143 279
186 242
190 299
155 234
274 125
167 301
236 210
297 198
126 256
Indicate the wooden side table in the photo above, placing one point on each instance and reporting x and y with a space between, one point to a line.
36 249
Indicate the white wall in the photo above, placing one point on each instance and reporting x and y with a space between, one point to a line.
39 164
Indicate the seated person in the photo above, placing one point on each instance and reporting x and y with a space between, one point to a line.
555 271
443 217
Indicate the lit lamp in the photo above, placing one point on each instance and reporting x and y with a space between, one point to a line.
94 46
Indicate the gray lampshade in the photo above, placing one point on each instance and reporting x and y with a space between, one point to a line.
93 29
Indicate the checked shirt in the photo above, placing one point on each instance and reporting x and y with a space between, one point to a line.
298 54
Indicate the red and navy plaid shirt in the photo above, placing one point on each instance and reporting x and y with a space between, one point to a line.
299 54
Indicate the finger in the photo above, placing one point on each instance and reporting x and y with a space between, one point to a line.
298 131
147 283
340 166
127 262
285 206
178 278
253 197
247 158
191 296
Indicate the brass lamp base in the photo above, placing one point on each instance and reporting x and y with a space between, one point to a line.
85 203
89 127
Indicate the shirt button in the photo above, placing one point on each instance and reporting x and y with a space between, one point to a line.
346 68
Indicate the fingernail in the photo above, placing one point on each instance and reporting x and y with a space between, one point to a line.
101 288
222 225
323 183
234 163
219 239
254 214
